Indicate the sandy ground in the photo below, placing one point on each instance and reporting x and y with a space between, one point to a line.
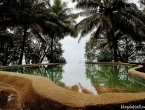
40 93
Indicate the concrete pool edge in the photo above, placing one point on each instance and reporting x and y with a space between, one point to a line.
133 71
110 63
41 93
36 64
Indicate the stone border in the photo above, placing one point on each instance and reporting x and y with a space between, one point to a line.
40 93
133 71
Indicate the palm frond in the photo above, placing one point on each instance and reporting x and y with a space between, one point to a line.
89 27
136 13
86 13
90 4
97 33
85 22
102 45
122 22
51 27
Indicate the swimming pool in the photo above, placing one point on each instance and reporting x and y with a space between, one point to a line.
87 78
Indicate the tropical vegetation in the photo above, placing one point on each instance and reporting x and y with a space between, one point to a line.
30 31
118 19
128 50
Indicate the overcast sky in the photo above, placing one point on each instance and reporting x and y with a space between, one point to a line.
71 47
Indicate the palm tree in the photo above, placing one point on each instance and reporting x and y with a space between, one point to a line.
126 47
41 19
61 22
109 16
28 13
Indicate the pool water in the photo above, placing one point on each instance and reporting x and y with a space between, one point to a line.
87 78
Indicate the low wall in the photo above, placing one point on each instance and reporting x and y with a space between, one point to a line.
40 93
133 71
109 63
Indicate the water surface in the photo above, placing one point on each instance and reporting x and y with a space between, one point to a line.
88 78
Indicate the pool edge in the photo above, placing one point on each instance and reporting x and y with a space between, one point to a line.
48 95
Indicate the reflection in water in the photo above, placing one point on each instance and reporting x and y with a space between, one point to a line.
79 88
113 78
101 78
54 72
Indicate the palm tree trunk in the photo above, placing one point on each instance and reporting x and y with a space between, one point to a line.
115 49
51 55
119 55
23 45
126 50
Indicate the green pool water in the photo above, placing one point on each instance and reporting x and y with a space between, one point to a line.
93 78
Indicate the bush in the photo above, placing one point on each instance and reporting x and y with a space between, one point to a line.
105 55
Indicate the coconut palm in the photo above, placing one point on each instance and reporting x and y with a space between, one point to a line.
22 14
37 23
126 48
109 16
61 22
27 13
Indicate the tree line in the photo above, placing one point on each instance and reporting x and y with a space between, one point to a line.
31 30
118 30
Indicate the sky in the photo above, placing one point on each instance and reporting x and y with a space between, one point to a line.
73 49
74 54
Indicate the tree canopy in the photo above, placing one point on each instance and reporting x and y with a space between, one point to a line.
110 17
31 30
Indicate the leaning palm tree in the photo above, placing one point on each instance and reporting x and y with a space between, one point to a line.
109 16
